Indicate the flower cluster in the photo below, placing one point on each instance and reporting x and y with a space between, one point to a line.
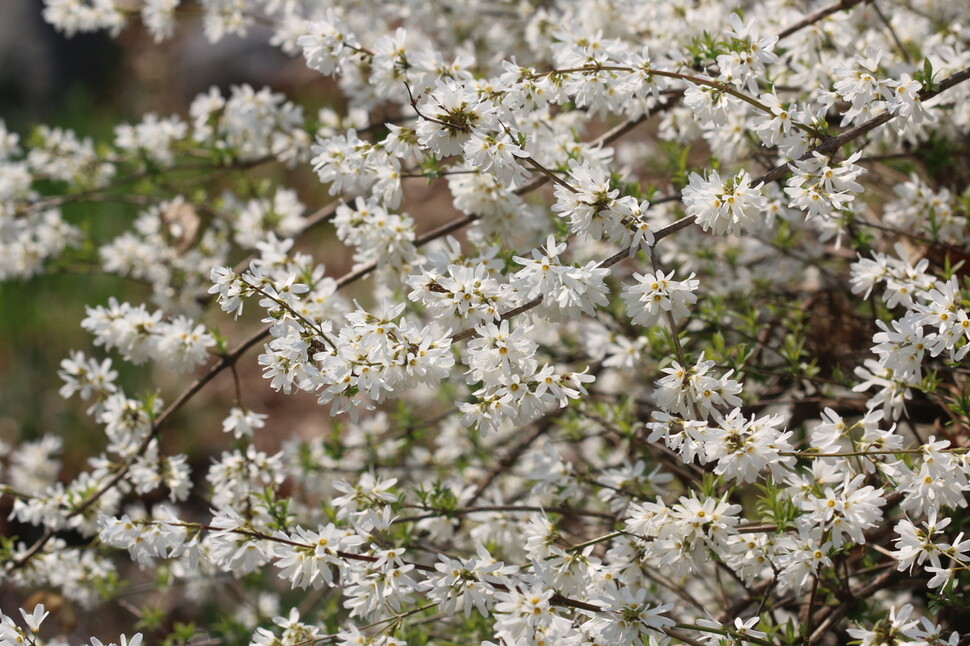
140 335
933 324
727 207
655 295
821 188
601 368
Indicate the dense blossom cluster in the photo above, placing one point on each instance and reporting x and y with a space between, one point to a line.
698 381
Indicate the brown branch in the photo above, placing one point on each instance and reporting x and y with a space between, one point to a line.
670 229
676 634
539 180
556 599
504 463
514 509
226 361
827 617
892 32
824 12
60 200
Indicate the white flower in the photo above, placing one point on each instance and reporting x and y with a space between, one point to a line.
498 155
906 102
309 558
73 17
801 557
499 351
727 207
897 624
183 345
589 198
778 129
848 512
743 448
449 115
241 422
567 291
656 293
326 43
159 18
462 297
858 83
915 545
692 391
86 376
123 641
627 617
231 548
521 612
821 186
466 584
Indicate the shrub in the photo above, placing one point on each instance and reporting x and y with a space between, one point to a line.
686 364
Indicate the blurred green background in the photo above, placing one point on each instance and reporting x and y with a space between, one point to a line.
45 78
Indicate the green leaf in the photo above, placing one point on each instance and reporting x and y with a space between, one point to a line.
926 78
